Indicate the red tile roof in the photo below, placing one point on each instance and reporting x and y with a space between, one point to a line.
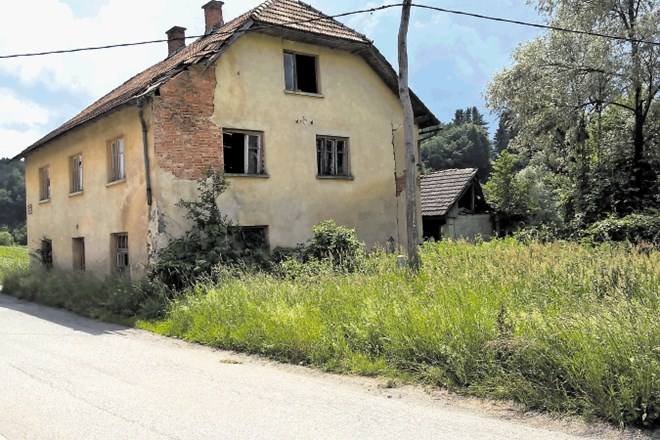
283 15
441 189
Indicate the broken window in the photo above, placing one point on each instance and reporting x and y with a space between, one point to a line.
76 174
332 156
121 254
46 253
300 73
117 169
78 253
243 152
44 184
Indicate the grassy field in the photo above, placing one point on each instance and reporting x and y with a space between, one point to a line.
558 327
12 258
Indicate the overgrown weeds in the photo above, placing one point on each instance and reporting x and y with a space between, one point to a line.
113 298
558 327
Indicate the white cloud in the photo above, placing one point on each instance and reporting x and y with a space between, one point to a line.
44 25
19 111
13 142
368 23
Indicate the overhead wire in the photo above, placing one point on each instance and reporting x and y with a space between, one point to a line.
347 14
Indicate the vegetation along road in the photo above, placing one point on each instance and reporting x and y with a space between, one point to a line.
69 377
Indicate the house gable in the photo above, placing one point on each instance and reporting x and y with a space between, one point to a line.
287 19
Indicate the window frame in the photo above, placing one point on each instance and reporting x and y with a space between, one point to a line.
76 174
123 269
44 184
117 160
261 168
295 86
321 157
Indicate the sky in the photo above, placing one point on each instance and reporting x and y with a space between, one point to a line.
452 58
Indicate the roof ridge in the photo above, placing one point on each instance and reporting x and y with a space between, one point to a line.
280 14
333 19
260 7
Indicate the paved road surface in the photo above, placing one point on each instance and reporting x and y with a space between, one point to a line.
65 377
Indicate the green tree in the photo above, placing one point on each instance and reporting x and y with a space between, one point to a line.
505 133
504 190
470 115
12 196
458 146
563 86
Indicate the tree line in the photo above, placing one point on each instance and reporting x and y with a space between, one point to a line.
12 202
578 140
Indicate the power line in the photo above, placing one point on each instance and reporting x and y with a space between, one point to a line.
347 14
537 25
142 43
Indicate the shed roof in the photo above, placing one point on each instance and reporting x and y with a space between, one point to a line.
284 18
441 189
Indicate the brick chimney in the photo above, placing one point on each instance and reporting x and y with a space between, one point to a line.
176 40
213 15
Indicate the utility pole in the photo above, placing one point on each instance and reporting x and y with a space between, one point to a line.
410 150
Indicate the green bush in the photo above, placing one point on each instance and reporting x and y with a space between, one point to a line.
337 244
6 239
634 228
83 293
213 240
20 235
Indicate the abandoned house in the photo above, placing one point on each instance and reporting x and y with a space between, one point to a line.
453 206
301 113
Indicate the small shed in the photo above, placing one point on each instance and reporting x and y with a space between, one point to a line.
454 206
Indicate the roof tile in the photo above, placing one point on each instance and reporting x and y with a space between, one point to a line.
288 14
441 189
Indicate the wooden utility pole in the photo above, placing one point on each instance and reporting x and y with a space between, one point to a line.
411 153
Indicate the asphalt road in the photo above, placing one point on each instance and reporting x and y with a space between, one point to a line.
66 377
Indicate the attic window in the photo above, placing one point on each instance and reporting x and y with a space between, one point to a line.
243 152
301 73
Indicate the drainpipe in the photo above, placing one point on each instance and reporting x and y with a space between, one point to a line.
145 146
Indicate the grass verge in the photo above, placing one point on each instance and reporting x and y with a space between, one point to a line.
12 259
558 327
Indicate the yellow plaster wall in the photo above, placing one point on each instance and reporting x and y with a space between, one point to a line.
355 103
101 209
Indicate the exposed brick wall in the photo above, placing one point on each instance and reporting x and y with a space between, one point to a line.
400 183
186 142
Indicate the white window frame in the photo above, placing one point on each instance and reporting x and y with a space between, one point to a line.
44 184
117 160
76 174
322 143
246 152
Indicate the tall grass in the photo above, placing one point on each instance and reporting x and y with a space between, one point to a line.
12 259
558 327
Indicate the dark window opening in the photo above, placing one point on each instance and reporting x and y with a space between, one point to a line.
242 153
432 227
250 237
466 203
46 253
300 73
